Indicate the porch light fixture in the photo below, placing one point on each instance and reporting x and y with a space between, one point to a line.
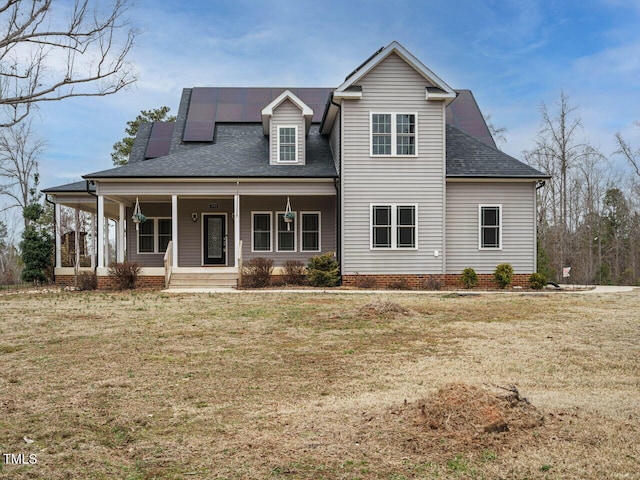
138 217
194 216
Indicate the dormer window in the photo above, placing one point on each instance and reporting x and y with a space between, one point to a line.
393 134
287 144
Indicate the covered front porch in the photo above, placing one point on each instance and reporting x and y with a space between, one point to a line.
203 237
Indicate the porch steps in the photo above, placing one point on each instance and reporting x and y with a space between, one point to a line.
204 280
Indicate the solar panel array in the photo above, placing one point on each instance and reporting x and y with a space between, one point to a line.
159 139
211 105
464 114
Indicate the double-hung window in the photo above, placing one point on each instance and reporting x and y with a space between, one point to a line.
490 226
286 234
393 226
310 231
261 231
154 235
287 144
393 134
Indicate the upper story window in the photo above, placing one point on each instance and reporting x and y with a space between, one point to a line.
288 144
393 134
490 226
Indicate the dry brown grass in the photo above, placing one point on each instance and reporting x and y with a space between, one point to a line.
144 385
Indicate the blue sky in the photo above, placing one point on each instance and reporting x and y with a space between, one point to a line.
513 55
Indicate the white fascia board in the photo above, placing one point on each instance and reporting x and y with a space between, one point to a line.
446 96
347 95
267 112
407 57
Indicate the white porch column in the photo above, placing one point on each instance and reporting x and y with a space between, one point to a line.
120 240
57 234
77 240
174 229
100 231
236 227
93 240
107 260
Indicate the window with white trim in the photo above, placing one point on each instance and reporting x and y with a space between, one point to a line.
393 134
260 231
154 235
490 226
286 233
287 144
310 231
393 226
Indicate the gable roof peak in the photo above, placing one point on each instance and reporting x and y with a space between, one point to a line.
402 52
267 111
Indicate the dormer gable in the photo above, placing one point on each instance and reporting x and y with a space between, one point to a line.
286 120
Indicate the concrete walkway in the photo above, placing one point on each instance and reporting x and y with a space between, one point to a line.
582 289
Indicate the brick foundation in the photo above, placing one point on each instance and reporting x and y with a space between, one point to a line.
427 282
109 283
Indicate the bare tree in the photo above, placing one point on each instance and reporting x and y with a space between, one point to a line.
632 156
19 153
50 52
498 134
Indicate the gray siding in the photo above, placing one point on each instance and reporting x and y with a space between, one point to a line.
287 114
326 205
393 87
518 226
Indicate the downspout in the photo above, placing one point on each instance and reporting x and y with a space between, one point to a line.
55 229
336 184
95 244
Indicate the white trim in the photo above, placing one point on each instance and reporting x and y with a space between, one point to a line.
448 96
236 230
100 231
57 232
490 205
296 144
174 230
394 134
224 239
156 236
120 241
260 212
277 231
311 212
267 112
393 226
347 95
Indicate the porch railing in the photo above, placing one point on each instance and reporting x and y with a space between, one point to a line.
168 263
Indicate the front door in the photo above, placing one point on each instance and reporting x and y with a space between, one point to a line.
214 239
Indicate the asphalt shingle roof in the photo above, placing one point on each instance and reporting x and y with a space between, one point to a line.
469 157
240 150
75 187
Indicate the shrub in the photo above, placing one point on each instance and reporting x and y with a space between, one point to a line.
86 281
364 281
537 281
323 270
399 284
256 273
294 272
469 278
433 282
125 274
503 275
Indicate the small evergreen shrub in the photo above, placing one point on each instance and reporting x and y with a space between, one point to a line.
256 273
86 281
323 270
294 272
469 278
503 275
125 274
537 281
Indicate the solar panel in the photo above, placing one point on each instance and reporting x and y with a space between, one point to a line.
159 139
201 117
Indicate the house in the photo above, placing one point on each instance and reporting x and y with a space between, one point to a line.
393 170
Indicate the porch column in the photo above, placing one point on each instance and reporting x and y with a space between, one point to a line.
120 240
77 241
236 227
93 240
57 234
107 260
174 229
100 231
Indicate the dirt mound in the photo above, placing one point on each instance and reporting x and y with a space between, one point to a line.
383 308
461 410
